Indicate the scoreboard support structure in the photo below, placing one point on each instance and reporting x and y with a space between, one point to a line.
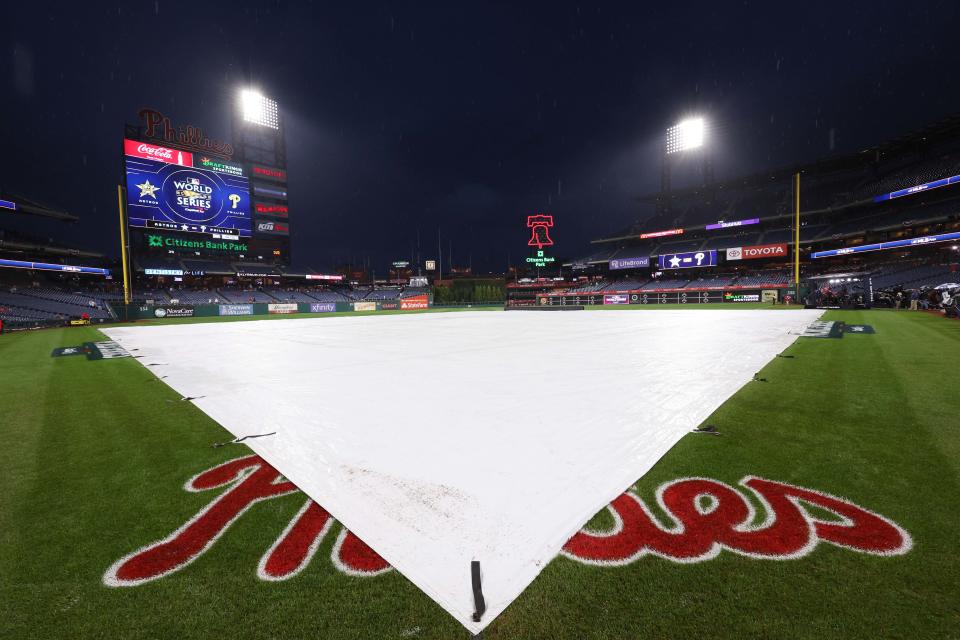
124 243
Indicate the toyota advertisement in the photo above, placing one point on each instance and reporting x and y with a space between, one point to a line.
167 189
757 251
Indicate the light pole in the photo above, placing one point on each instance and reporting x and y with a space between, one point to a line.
688 135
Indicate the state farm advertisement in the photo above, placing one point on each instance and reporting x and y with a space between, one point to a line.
160 154
757 251
415 302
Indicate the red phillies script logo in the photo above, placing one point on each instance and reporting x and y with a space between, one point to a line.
764 251
705 517
160 154
159 127
249 480
540 231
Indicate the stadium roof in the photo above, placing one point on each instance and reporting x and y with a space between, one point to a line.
33 207
916 140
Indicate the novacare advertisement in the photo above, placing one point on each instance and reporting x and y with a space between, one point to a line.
173 312
282 307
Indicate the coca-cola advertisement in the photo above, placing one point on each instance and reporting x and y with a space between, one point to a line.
137 149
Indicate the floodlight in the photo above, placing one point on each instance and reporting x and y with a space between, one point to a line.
686 135
259 109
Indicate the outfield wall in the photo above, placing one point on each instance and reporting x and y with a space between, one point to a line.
147 311
675 296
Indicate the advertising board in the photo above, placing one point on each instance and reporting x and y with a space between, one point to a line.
173 312
660 234
689 260
270 192
268 173
733 223
236 310
740 296
323 307
270 209
629 263
176 243
890 244
415 302
364 306
282 307
273 228
616 299
757 251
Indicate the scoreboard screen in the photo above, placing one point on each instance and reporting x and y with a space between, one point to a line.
177 190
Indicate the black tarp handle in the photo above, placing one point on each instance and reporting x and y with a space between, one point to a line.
479 605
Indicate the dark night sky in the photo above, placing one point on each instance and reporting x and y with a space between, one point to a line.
466 116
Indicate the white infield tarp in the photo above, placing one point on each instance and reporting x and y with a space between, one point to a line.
444 438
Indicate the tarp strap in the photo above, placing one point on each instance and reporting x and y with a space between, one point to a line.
217 445
479 605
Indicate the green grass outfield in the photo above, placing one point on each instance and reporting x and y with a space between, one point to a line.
95 455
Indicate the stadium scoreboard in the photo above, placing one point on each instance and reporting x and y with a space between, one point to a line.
190 194
178 190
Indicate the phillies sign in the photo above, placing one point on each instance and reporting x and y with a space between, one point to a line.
539 226
704 518
757 251
159 127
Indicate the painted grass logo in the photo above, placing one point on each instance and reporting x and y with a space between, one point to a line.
705 517
104 350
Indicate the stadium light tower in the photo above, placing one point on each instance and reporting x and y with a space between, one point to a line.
687 136
259 144
258 109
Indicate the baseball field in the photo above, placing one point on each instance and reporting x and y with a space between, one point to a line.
822 501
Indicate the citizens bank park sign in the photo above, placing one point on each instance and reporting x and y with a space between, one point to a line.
690 520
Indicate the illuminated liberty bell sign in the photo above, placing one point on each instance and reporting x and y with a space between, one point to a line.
539 226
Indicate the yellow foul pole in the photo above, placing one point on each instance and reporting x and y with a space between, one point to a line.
125 264
796 229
